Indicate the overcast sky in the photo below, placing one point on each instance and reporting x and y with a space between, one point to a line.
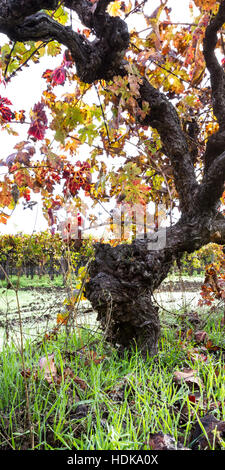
25 90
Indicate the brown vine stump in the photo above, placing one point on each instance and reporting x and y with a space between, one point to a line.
120 289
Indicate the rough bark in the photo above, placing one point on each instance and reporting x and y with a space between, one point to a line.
164 118
24 20
123 278
120 290
216 143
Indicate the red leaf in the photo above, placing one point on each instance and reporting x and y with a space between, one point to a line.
47 75
192 398
6 113
39 122
59 76
39 113
37 130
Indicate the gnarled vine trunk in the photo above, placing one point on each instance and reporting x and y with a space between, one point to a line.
122 282
123 279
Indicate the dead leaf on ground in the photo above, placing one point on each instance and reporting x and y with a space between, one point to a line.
47 365
160 441
51 375
192 398
208 434
91 356
69 374
28 373
82 384
189 376
196 355
201 336
212 347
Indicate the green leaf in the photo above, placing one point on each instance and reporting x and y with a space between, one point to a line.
53 48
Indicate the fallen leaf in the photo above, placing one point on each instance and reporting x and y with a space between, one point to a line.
211 347
78 381
201 336
196 355
192 398
26 373
47 365
160 441
189 376
208 433
91 356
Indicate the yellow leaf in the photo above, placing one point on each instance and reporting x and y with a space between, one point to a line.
114 8
62 319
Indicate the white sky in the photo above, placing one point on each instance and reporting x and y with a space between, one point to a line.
25 90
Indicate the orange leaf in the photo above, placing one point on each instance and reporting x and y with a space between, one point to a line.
4 218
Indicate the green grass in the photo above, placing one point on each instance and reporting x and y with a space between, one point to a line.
36 282
45 281
125 400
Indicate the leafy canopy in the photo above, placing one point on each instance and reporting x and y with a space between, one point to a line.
91 140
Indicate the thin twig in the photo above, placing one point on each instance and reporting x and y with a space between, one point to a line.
103 115
43 44
9 59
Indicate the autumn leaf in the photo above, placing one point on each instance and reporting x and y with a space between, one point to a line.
26 194
201 336
206 5
62 319
47 75
4 218
5 113
39 122
212 347
207 433
69 374
20 116
192 398
5 198
161 441
188 376
48 367
22 178
53 48
91 356
80 382
59 76
195 355
114 8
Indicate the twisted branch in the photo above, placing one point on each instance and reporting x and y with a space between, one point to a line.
216 143
164 118
94 60
212 185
